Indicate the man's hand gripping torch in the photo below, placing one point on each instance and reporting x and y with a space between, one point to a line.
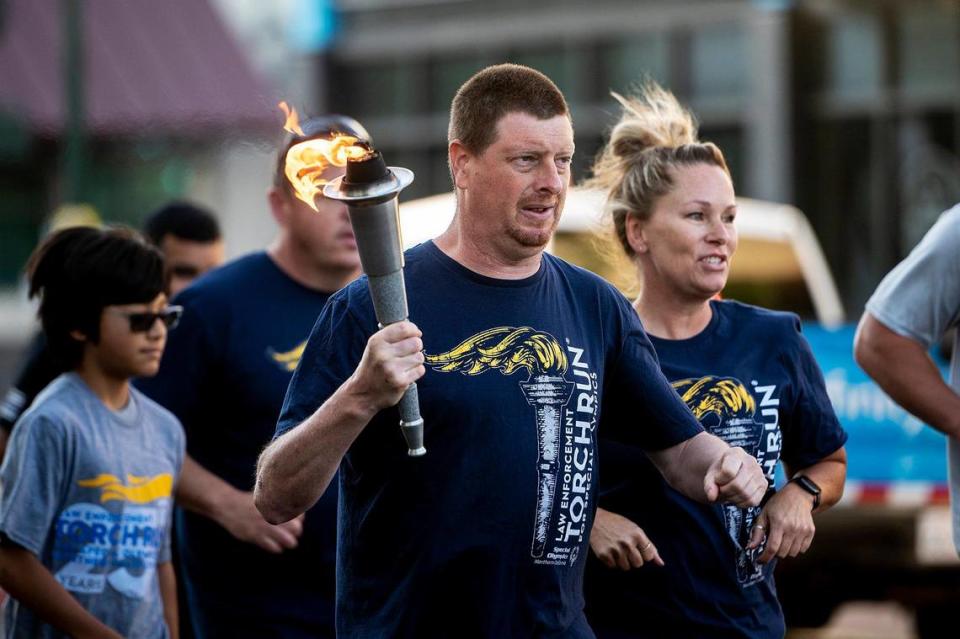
370 190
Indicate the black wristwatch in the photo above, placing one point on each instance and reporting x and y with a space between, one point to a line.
810 486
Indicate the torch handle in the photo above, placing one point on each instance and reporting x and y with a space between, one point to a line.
371 198
411 423
390 303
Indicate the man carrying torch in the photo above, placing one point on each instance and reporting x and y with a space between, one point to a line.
521 359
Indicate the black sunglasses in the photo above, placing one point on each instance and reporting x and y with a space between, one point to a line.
143 322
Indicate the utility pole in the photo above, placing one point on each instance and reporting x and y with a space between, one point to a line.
74 135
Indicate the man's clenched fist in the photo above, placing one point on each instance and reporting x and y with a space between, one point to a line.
735 477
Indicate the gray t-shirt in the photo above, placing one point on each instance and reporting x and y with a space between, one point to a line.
89 491
920 299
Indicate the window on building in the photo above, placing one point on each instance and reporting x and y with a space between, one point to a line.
928 40
447 75
718 65
371 90
559 64
854 56
628 62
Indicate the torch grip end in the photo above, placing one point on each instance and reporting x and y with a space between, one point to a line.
413 434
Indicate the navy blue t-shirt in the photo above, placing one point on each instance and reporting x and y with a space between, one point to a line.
751 379
224 375
486 535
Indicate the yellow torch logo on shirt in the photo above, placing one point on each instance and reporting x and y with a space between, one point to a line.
505 349
137 490
288 361
728 410
508 349
725 397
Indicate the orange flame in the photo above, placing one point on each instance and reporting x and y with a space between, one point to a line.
307 161
292 123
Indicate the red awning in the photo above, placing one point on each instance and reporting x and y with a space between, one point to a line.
152 66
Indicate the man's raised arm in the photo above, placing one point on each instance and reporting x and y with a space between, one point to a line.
296 468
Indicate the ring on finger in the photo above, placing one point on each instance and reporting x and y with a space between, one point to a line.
649 543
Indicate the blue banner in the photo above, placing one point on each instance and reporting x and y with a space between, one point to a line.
886 442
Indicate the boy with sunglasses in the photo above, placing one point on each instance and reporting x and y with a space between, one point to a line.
189 238
87 494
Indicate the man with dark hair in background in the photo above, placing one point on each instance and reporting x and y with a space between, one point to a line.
224 374
189 238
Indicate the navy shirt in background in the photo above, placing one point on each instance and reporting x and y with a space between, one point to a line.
224 375
751 379
486 535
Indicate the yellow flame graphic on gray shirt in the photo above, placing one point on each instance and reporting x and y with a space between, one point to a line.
137 490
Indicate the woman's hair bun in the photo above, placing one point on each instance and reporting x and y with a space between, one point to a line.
652 118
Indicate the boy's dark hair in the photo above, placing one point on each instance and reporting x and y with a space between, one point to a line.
494 92
76 272
183 220
315 127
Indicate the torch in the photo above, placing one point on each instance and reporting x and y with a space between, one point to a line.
370 188
370 191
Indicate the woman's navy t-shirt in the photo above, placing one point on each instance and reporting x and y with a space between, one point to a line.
751 379
487 534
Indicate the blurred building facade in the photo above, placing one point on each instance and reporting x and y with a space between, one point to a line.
849 109
119 108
